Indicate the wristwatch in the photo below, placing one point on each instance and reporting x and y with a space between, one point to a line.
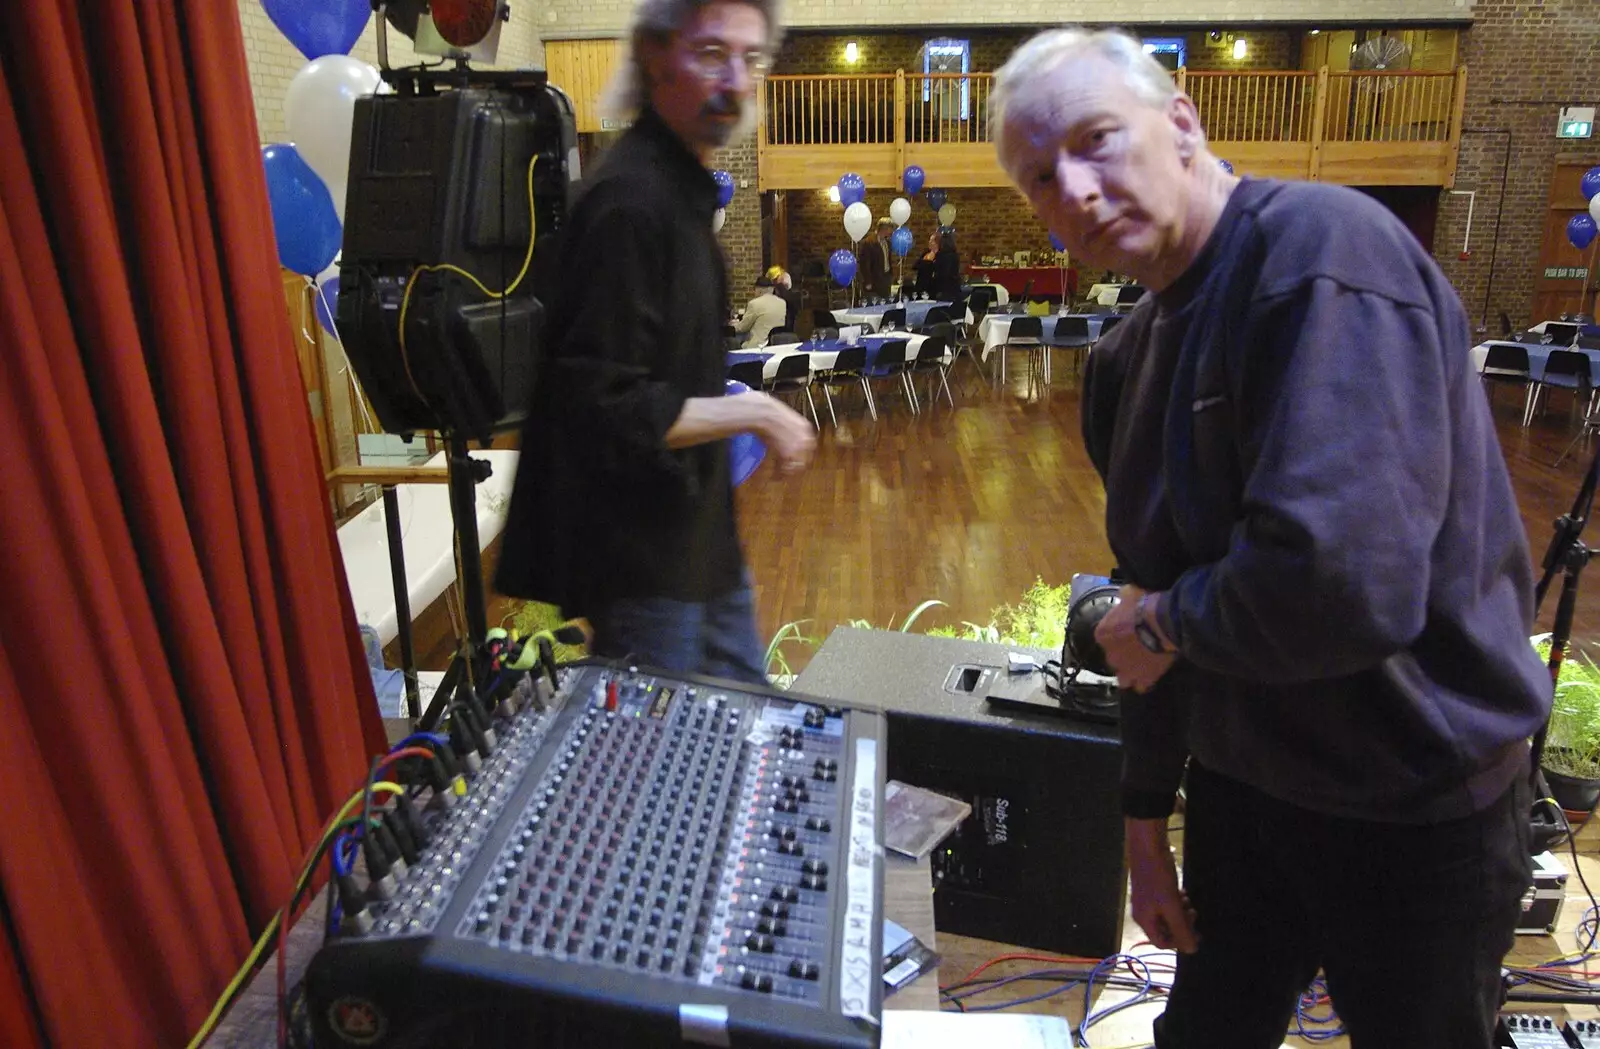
1144 631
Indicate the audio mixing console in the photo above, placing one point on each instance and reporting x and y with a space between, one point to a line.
645 860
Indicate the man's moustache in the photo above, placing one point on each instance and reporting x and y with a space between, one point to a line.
723 105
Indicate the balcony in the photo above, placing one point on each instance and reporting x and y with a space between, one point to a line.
1362 129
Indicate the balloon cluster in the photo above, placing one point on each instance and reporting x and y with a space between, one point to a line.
858 217
1582 229
306 177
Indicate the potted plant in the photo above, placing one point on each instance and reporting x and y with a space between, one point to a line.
1571 761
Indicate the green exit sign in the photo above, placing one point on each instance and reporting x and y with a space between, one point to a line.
1565 273
1575 122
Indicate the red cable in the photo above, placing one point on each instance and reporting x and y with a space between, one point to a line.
406 752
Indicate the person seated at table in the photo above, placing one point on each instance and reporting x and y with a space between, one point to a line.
947 270
925 266
764 315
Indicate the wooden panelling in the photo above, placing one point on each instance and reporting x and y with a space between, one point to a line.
1385 163
814 167
583 68
1267 159
958 165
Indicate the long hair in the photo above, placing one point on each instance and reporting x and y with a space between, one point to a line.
654 21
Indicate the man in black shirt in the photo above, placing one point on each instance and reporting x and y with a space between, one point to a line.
623 509
1332 593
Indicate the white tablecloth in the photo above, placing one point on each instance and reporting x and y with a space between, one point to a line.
996 326
822 360
1105 294
426 537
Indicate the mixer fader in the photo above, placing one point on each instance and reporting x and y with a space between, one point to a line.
652 860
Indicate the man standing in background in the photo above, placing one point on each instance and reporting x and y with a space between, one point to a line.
623 509
875 261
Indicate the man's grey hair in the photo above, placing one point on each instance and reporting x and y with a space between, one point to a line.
1049 51
654 21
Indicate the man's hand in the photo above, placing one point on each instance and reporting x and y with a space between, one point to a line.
1159 906
791 437
1137 667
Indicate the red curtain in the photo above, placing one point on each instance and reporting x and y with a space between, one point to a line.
182 689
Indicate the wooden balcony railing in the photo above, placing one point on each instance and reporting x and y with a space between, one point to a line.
1386 128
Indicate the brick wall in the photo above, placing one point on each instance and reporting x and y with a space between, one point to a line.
879 52
1516 51
577 17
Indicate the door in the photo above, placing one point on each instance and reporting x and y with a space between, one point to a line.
1564 280
583 68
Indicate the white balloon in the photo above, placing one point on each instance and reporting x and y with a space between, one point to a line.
718 217
857 220
947 215
319 110
1594 207
900 211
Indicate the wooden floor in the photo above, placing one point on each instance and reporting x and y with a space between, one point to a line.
971 506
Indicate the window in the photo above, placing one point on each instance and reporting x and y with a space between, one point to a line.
948 56
1168 50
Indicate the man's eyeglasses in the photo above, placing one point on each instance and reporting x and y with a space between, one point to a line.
713 61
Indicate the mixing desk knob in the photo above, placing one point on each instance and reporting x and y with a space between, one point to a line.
791 848
820 823
815 867
760 942
814 882
785 894
773 909
803 970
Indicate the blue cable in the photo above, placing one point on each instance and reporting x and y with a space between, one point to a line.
437 738
1022 1001
1105 968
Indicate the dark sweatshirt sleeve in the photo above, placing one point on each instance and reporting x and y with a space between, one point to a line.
1344 436
606 369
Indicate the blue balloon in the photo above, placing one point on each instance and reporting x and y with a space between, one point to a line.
327 303
724 183
900 241
1225 165
1590 183
1055 242
303 220
1581 231
745 450
842 264
320 27
852 189
914 177
936 199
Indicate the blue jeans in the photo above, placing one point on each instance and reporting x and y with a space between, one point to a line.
716 638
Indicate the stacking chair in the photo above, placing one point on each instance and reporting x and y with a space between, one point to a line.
930 358
794 376
1128 296
1589 342
781 337
1559 334
849 368
1505 363
1026 333
751 373
823 319
1109 323
1568 369
1072 333
892 362
937 315
893 320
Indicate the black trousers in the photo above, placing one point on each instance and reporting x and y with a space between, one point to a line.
1408 923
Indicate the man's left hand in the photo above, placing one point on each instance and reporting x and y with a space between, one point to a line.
1137 667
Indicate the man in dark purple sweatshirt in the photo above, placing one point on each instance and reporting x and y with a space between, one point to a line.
1327 623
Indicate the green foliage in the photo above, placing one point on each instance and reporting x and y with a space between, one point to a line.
1573 745
777 663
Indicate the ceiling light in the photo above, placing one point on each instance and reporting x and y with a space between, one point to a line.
1314 32
851 52
1240 48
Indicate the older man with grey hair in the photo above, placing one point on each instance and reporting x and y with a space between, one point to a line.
623 510
1326 625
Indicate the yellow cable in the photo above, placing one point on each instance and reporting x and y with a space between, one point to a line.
272 926
411 282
